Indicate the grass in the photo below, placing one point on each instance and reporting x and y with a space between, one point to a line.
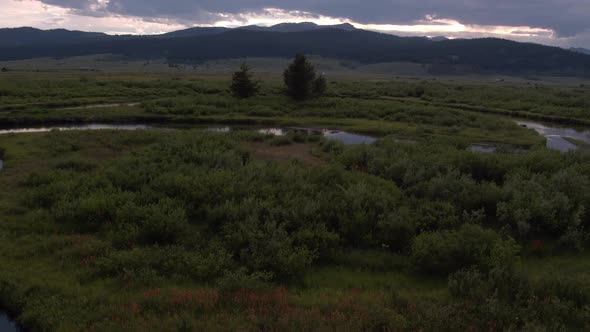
583 146
564 266
62 277
338 278
377 108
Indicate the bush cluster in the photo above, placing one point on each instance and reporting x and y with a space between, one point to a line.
197 194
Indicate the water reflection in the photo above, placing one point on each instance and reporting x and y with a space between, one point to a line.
73 127
556 135
483 148
556 142
348 138
273 131
7 324
341 136
219 129
100 106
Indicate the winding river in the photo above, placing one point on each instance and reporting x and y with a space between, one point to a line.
93 126
341 136
557 136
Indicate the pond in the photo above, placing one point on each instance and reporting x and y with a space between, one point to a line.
7 324
556 135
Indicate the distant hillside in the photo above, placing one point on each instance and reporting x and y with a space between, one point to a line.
31 36
25 36
283 27
197 31
438 38
299 27
580 50
445 56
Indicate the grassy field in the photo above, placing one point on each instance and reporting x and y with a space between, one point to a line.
189 230
379 108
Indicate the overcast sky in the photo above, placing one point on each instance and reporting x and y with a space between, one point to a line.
555 22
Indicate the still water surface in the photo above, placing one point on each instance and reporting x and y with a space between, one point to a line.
94 126
7 324
556 135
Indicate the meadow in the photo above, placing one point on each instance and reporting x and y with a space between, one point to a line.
400 108
189 230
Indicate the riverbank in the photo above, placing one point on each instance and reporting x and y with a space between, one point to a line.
502 132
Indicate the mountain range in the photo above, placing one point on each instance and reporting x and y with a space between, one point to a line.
193 45
580 50
26 36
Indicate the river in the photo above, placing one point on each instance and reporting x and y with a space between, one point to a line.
337 135
556 135
341 136
94 126
7 324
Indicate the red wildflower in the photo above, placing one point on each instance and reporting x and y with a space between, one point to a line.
537 245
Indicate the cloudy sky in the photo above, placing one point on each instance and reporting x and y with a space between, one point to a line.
556 22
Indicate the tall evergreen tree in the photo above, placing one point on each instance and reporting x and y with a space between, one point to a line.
299 78
243 84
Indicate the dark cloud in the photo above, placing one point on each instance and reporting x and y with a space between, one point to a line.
566 17
75 4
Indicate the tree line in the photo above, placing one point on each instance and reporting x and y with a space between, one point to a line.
300 78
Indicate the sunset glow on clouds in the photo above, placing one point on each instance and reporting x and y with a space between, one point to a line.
155 16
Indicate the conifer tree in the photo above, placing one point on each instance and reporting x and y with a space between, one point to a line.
243 84
301 80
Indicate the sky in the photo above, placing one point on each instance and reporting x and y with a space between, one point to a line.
564 23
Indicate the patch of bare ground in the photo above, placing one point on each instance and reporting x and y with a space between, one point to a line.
303 152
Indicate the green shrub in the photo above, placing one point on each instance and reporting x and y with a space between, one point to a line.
332 146
564 288
435 215
281 141
396 231
469 284
448 251
164 262
536 204
298 137
242 280
76 165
